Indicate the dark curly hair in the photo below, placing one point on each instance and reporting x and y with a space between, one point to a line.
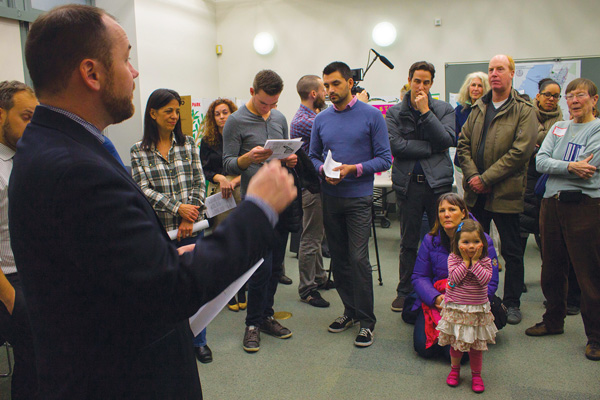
209 129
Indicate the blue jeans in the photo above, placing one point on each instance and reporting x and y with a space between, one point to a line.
200 340
263 283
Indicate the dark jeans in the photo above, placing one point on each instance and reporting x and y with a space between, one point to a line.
508 228
420 198
570 231
263 283
348 227
419 340
16 330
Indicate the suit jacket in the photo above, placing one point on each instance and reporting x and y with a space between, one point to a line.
107 293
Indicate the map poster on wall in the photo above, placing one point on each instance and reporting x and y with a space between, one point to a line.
527 76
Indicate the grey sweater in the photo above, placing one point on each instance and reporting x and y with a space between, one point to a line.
565 142
244 131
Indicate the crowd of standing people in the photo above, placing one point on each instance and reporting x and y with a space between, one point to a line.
105 259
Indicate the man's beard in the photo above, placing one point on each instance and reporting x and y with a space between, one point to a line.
9 135
319 103
118 107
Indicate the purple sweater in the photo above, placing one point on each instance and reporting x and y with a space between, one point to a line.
356 135
432 265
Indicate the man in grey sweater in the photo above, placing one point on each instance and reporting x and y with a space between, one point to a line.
244 136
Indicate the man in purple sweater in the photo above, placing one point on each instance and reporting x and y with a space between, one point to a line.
357 136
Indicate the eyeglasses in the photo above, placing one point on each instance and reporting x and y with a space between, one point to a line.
580 96
548 95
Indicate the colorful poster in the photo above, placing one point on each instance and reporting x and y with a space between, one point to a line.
527 76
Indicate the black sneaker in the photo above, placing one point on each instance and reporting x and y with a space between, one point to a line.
341 324
398 304
364 338
251 341
271 327
314 299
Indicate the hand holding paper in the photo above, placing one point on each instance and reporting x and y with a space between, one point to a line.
198 226
216 204
283 148
329 165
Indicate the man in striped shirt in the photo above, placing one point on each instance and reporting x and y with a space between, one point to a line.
17 103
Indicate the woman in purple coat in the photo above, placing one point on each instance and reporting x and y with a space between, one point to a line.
432 266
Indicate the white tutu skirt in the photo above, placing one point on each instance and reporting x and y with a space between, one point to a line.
465 326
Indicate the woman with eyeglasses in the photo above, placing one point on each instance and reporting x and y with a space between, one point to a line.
548 113
569 216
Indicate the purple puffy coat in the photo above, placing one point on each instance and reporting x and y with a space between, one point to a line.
432 265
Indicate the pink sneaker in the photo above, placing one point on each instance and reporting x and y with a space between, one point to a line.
477 383
453 376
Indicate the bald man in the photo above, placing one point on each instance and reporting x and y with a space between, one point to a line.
494 149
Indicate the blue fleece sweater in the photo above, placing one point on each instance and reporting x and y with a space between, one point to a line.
356 135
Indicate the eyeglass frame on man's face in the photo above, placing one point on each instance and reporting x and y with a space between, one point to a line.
580 96
548 95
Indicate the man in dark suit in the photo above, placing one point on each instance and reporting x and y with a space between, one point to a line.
108 294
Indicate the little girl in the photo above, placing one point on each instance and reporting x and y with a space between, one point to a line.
467 323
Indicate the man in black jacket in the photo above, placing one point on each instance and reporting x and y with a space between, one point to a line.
108 295
421 130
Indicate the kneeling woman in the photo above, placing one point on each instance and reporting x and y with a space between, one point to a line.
431 271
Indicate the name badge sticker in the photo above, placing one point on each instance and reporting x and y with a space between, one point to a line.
558 131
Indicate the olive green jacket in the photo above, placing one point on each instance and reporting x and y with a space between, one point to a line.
509 143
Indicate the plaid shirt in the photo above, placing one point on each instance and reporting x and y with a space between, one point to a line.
302 125
169 183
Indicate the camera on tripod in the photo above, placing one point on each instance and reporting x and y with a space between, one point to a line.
358 75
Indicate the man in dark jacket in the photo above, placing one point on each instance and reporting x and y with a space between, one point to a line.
107 293
421 130
494 149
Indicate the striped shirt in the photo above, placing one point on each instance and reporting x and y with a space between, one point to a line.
301 126
7 260
170 182
468 285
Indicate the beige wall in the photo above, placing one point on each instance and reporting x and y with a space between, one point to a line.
11 66
311 33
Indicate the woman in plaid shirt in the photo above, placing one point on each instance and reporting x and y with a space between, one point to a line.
166 165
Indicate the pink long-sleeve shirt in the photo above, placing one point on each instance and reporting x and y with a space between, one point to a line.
468 285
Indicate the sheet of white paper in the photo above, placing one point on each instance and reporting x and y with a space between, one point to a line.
282 148
209 311
216 204
198 226
329 165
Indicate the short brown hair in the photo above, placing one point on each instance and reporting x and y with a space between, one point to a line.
8 89
421 66
60 39
583 83
307 84
469 225
268 81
